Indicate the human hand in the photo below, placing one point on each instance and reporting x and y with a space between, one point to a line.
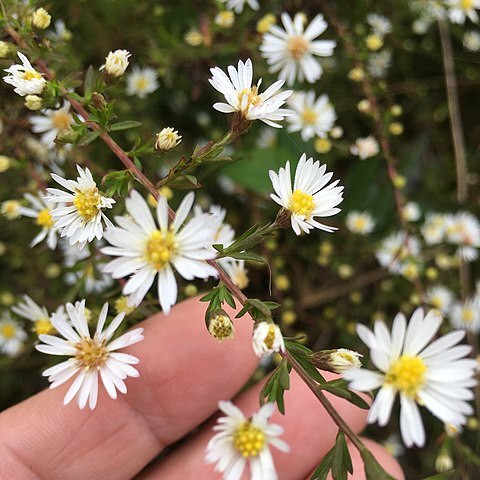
183 374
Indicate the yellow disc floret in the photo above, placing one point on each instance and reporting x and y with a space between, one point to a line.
270 337
159 249
87 203
468 315
91 353
31 74
301 203
309 116
248 440
8 330
407 375
249 97
466 4
61 120
44 219
43 326
298 47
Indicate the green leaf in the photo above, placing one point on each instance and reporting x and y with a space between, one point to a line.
253 257
373 470
321 472
340 389
342 463
89 84
274 388
302 355
88 138
124 125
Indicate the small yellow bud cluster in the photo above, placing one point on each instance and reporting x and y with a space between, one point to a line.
41 19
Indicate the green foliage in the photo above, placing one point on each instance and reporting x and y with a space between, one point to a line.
216 298
278 382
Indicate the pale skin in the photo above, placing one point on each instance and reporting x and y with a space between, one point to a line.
184 373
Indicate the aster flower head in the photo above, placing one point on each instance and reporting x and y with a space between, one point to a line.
291 51
434 228
360 222
116 63
25 79
463 229
241 440
51 123
380 24
466 315
12 336
145 250
397 250
244 98
267 339
435 375
91 356
310 197
439 297
81 220
40 211
365 147
238 5
471 41
379 63
312 116
30 310
142 81
460 10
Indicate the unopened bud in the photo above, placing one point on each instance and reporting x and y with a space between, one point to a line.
4 49
33 102
443 463
41 19
220 326
98 101
66 136
167 139
337 360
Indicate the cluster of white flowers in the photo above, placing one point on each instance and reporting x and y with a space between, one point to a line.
398 251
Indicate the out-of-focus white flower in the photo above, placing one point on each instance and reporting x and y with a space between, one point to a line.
25 79
51 122
365 147
437 376
225 19
91 357
116 63
396 250
379 63
167 139
460 10
439 297
141 81
238 5
463 229
466 315
81 221
244 98
12 336
267 339
411 212
310 197
380 24
291 51
360 222
312 117
145 250
40 317
91 277
471 41
434 228
237 272
242 440
12 209
40 211
393 445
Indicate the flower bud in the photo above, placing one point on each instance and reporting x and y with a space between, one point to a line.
4 49
219 324
5 163
33 102
116 63
167 139
66 136
41 19
267 338
98 101
443 463
336 361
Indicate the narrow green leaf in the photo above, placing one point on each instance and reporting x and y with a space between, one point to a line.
373 470
341 458
324 467
346 394
89 85
124 125
88 138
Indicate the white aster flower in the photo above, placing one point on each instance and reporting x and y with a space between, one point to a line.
116 63
267 339
393 445
380 24
12 336
51 122
40 211
379 63
142 81
411 212
81 221
397 250
40 317
313 117
291 51
360 222
437 376
460 10
25 79
463 229
439 297
365 147
244 98
311 196
466 315
242 440
238 5
434 228
91 277
145 250
471 41
91 356
236 270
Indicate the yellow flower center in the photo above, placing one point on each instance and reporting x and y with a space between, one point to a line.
301 203
466 4
360 223
309 116
252 97
270 337
436 301
91 353
44 219
87 203
43 326
31 74
121 305
468 315
298 47
8 330
141 83
407 375
248 440
61 120
160 249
